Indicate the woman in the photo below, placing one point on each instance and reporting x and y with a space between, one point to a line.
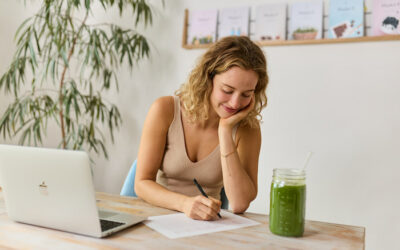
208 131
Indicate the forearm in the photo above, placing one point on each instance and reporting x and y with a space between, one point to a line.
239 187
157 195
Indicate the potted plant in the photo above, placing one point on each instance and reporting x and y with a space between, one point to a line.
62 67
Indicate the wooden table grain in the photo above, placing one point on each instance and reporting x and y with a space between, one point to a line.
318 235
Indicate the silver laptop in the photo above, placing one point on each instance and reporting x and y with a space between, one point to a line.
53 188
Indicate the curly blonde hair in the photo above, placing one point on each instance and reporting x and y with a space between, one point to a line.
226 53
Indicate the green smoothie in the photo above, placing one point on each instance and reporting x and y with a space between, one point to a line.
287 209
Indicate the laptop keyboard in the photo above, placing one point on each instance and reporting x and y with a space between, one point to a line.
107 224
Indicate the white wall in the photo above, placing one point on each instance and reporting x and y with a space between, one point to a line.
339 101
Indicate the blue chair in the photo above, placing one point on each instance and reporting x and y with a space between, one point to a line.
128 189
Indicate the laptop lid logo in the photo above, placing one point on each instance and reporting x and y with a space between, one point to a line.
43 188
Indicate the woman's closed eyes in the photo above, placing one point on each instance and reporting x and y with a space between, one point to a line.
229 92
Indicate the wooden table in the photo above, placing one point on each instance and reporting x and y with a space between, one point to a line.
318 235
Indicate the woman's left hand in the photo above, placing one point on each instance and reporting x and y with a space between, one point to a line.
232 120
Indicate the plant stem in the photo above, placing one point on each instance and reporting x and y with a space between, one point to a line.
71 51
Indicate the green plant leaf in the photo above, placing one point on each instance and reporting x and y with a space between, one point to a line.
64 57
37 41
21 27
33 56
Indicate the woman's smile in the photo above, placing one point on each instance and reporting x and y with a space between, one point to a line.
229 110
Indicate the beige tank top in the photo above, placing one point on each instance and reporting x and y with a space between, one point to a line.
177 170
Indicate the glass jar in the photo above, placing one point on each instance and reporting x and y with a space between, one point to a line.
288 202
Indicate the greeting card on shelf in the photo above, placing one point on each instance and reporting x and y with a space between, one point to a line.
346 18
234 22
305 21
202 27
270 22
385 17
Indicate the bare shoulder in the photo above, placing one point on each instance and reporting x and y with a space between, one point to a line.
162 109
164 104
248 134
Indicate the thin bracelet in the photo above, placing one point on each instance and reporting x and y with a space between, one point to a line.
228 154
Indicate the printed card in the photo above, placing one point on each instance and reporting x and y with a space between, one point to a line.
270 22
202 27
306 21
234 22
346 18
385 17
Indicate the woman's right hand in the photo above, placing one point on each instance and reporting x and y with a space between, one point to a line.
202 208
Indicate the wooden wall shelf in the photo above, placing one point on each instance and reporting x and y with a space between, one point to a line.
292 42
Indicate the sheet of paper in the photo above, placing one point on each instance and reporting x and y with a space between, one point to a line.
179 225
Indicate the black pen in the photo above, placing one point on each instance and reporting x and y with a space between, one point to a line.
202 192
